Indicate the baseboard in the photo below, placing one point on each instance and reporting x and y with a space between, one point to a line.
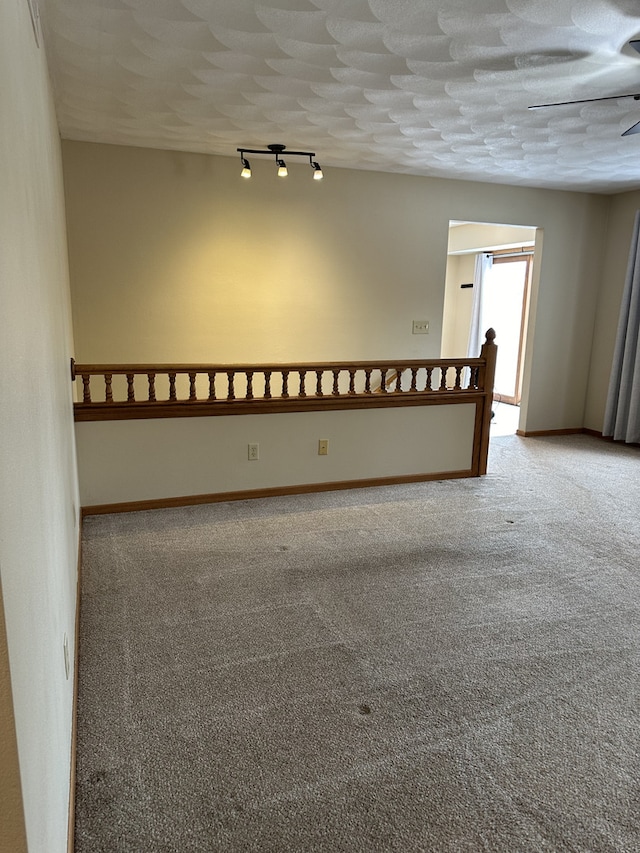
275 491
575 431
74 710
596 434
537 433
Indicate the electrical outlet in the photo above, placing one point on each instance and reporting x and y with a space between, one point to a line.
253 452
420 327
67 661
323 447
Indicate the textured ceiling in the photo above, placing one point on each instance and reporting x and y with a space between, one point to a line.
415 86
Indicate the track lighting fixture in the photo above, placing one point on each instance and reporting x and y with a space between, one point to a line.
277 150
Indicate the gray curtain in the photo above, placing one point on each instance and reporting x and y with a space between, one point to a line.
622 415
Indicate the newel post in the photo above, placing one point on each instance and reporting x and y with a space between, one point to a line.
489 353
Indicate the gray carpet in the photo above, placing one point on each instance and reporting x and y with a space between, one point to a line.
448 666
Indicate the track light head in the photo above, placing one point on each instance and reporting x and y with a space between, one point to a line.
282 168
317 171
246 168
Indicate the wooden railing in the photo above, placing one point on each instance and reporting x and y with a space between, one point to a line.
118 392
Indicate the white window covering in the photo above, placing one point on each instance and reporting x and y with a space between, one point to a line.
484 262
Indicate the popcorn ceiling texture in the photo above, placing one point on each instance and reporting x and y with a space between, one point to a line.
414 86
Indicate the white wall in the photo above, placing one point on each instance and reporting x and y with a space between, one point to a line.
175 257
123 461
38 490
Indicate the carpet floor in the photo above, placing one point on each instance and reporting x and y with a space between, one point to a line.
445 666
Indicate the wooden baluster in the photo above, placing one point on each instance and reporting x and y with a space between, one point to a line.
460 376
427 386
231 395
86 388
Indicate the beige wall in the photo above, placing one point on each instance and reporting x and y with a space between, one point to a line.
38 491
458 303
175 257
144 460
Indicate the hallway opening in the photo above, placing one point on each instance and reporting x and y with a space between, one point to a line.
494 293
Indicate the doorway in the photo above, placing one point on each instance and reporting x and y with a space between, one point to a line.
503 300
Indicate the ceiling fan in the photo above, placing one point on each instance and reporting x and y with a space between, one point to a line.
635 44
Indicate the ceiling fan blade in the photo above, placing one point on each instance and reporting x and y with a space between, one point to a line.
634 95
635 128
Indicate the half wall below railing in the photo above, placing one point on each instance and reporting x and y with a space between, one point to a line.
126 392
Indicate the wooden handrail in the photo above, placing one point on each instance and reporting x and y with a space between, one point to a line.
307 367
123 392
116 391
